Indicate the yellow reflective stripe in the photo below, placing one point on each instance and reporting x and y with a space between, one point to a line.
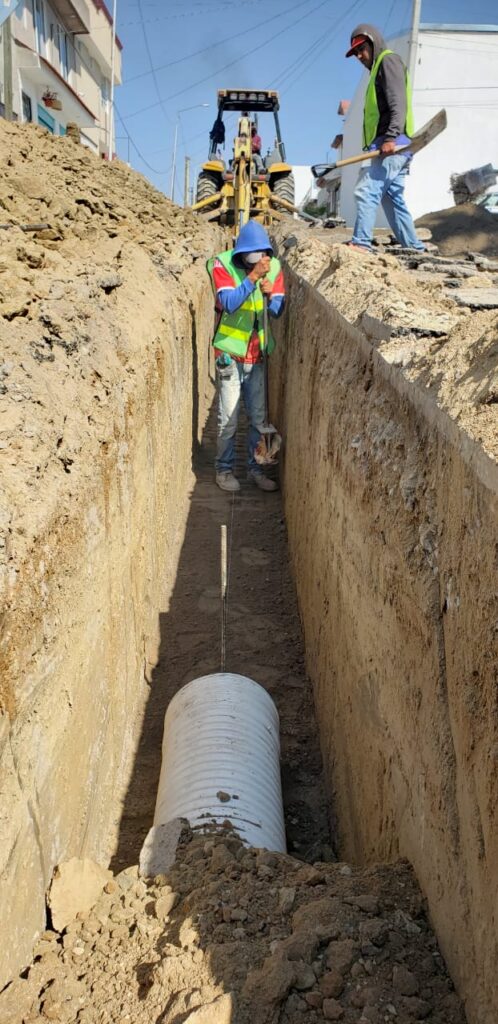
232 332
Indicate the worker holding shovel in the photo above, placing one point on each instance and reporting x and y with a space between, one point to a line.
387 125
244 279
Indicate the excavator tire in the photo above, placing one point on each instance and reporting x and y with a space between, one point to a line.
284 187
207 185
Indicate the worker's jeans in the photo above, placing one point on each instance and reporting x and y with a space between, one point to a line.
383 182
236 381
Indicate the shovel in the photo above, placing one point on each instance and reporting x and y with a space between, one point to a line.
266 451
420 139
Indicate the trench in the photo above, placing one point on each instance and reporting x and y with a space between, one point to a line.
342 605
264 641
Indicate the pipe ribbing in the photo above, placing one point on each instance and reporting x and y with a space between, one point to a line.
221 760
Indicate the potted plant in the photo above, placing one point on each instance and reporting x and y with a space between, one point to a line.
51 99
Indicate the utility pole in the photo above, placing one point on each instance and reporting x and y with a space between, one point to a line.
7 70
113 51
186 181
173 165
413 44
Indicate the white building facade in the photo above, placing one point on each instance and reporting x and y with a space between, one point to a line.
61 57
456 68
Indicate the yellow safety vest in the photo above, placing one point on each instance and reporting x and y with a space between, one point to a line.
235 330
371 111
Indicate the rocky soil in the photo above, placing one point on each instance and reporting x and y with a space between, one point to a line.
106 242
232 935
412 316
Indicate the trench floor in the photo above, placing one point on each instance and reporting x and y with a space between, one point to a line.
264 641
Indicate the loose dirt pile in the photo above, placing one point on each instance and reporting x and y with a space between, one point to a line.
416 325
375 286
81 304
462 229
239 936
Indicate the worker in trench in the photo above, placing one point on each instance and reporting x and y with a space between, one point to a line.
387 124
242 278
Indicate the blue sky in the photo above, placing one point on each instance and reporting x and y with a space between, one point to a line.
296 47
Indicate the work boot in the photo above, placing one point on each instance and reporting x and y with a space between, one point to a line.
227 481
263 482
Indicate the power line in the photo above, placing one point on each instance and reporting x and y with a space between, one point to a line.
389 16
152 69
227 39
186 14
317 48
453 88
154 170
456 49
231 63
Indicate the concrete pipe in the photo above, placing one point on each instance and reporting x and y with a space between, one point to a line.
221 760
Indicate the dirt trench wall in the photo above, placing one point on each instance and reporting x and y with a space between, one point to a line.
90 561
392 513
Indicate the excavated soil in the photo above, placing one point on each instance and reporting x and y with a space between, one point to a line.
229 934
462 229
237 936
413 320
69 294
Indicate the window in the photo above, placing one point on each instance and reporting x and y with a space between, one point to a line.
27 110
45 119
104 91
64 53
41 38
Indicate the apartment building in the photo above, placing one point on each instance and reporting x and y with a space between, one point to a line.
61 56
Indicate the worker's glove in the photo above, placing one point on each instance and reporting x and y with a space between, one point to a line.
260 269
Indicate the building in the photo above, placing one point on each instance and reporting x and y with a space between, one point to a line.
305 189
61 57
456 68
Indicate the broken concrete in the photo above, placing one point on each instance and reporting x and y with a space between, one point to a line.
477 298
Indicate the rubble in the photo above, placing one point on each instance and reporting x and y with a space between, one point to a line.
477 298
356 947
75 887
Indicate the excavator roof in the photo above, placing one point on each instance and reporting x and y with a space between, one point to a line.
260 100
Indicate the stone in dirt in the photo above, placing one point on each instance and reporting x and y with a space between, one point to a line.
76 887
160 847
477 298
332 1010
404 981
220 1011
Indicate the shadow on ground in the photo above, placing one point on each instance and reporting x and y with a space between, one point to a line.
263 641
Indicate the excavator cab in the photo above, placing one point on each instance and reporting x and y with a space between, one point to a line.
247 185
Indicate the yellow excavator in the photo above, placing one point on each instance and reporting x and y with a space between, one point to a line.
248 185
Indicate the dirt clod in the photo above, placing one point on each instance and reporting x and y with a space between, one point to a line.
124 960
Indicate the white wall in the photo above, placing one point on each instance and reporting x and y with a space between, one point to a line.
446 60
304 181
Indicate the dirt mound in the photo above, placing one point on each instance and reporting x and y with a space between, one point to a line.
413 320
235 934
360 285
462 229
81 305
